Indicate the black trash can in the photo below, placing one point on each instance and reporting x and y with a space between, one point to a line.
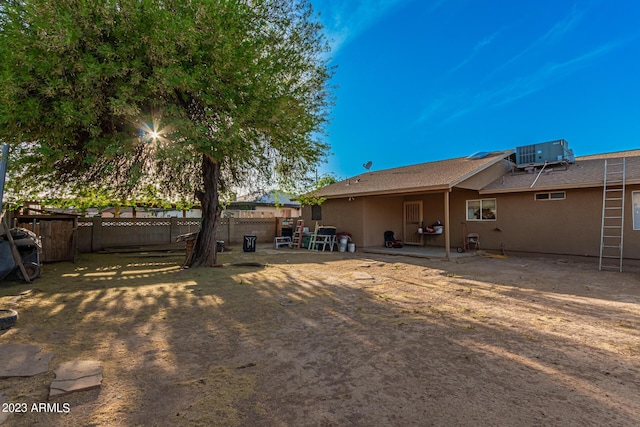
249 244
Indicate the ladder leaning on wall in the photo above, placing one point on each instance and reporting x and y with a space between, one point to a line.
297 233
612 232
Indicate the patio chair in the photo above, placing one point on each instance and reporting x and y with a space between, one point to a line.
282 241
390 241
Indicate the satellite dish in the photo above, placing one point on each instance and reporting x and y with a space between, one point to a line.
368 165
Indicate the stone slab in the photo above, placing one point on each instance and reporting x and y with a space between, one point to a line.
361 275
3 415
76 375
23 360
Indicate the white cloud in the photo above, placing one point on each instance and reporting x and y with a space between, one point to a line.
477 49
447 109
554 35
345 20
550 73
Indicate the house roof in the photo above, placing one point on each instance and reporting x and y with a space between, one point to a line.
587 171
431 176
271 198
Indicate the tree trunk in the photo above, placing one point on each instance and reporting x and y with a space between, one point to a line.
204 249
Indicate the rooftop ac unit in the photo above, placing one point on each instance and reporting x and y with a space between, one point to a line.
544 152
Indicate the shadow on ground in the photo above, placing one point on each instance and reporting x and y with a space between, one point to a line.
333 339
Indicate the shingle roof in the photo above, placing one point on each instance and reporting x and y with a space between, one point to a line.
587 171
271 198
439 175
617 154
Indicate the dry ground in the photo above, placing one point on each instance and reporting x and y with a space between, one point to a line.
334 339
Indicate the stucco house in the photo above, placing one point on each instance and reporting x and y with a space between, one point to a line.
270 204
552 206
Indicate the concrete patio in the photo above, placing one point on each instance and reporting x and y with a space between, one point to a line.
431 252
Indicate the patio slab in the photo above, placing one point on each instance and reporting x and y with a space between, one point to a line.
361 275
76 375
431 252
23 360
3 415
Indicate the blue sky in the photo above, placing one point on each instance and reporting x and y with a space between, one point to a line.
423 80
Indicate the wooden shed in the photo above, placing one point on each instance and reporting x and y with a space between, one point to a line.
59 234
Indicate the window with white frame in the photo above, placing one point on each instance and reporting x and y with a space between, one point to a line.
481 210
636 209
556 195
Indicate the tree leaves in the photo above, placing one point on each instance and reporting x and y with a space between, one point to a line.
243 82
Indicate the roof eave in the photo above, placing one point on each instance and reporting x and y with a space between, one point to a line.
539 188
554 187
431 189
434 188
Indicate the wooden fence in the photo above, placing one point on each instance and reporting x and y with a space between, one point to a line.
95 234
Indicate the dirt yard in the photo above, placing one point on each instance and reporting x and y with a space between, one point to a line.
333 339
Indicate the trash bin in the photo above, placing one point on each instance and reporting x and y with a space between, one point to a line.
249 244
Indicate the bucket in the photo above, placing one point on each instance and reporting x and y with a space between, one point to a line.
344 240
342 248
352 247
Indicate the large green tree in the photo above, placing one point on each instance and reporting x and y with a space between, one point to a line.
178 99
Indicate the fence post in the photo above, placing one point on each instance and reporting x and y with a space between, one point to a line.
173 229
232 229
96 234
222 232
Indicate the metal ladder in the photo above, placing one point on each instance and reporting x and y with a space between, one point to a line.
297 234
612 233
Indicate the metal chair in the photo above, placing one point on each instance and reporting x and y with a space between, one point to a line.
282 241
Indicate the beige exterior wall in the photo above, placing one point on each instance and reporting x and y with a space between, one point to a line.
367 218
382 213
346 215
549 226
568 227
432 211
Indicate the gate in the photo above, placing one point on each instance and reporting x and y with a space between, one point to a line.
411 223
